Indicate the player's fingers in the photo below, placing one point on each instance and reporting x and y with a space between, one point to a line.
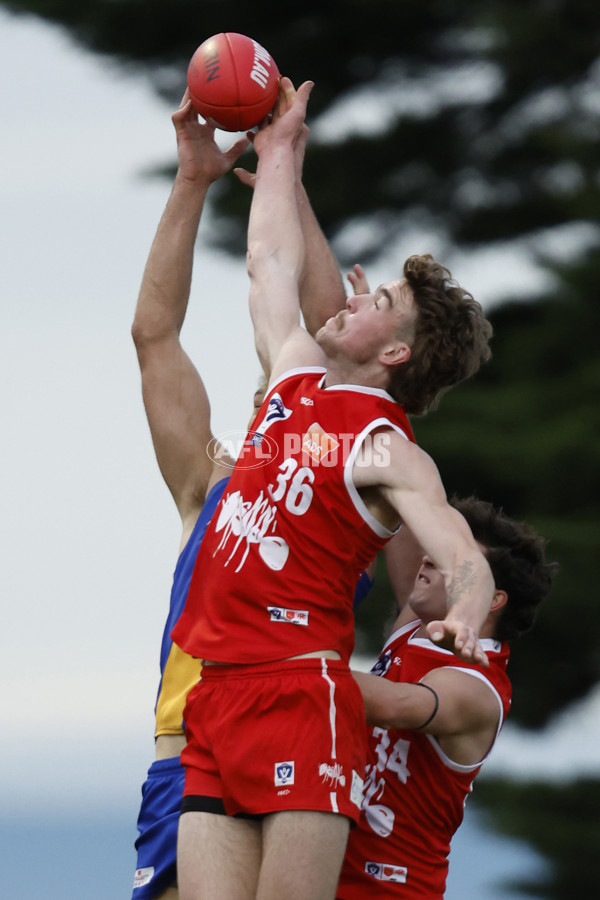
183 111
303 92
287 96
459 639
480 656
237 149
247 178
358 279
437 632
185 98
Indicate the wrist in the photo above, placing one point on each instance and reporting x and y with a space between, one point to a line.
192 190
198 182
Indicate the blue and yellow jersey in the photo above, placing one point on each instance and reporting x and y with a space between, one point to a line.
180 672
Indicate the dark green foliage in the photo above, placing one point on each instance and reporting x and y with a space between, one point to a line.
508 148
558 820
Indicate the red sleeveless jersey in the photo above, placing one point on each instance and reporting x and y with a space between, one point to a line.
277 569
414 794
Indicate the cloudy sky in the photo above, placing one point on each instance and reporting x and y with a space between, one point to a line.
89 531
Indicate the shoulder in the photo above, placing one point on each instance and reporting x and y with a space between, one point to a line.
399 463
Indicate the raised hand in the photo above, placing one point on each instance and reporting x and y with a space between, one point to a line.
200 157
454 635
287 121
248 178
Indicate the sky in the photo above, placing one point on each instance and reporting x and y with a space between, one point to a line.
89 531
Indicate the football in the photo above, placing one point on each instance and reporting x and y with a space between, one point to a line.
233 81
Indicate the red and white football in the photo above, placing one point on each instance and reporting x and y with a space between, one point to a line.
233 81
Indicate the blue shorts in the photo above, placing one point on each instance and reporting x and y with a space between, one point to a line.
157 826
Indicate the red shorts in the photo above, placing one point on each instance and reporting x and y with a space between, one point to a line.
276 736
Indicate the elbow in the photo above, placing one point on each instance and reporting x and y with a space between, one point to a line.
148 335
258 255
138 333
142 334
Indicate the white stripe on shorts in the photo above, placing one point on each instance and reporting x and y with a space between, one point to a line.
332 709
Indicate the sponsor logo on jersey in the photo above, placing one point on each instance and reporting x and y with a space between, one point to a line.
292 616
318 444
143 877
276 412
386 872
306 401
356 789
332 775
284 773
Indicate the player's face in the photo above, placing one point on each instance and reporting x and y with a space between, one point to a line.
370 323
428 596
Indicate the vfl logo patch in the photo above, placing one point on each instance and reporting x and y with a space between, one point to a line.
318 444
143 876
386 872
292 616
284 773
276 411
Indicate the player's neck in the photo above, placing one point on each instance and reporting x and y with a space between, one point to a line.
368 375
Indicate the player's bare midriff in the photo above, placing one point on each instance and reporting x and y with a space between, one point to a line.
317 654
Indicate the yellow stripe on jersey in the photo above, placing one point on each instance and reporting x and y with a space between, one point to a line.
181 674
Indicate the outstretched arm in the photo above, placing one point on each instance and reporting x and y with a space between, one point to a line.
322 292
411 484
175 399
276 249
321 288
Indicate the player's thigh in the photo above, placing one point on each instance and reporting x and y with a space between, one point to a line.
303 853
218 857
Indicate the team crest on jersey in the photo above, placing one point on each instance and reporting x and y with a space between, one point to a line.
382 664
276 411
293 616
386 872
284 773
318 444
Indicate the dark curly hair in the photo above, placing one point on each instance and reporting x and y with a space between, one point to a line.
451 337
517 557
